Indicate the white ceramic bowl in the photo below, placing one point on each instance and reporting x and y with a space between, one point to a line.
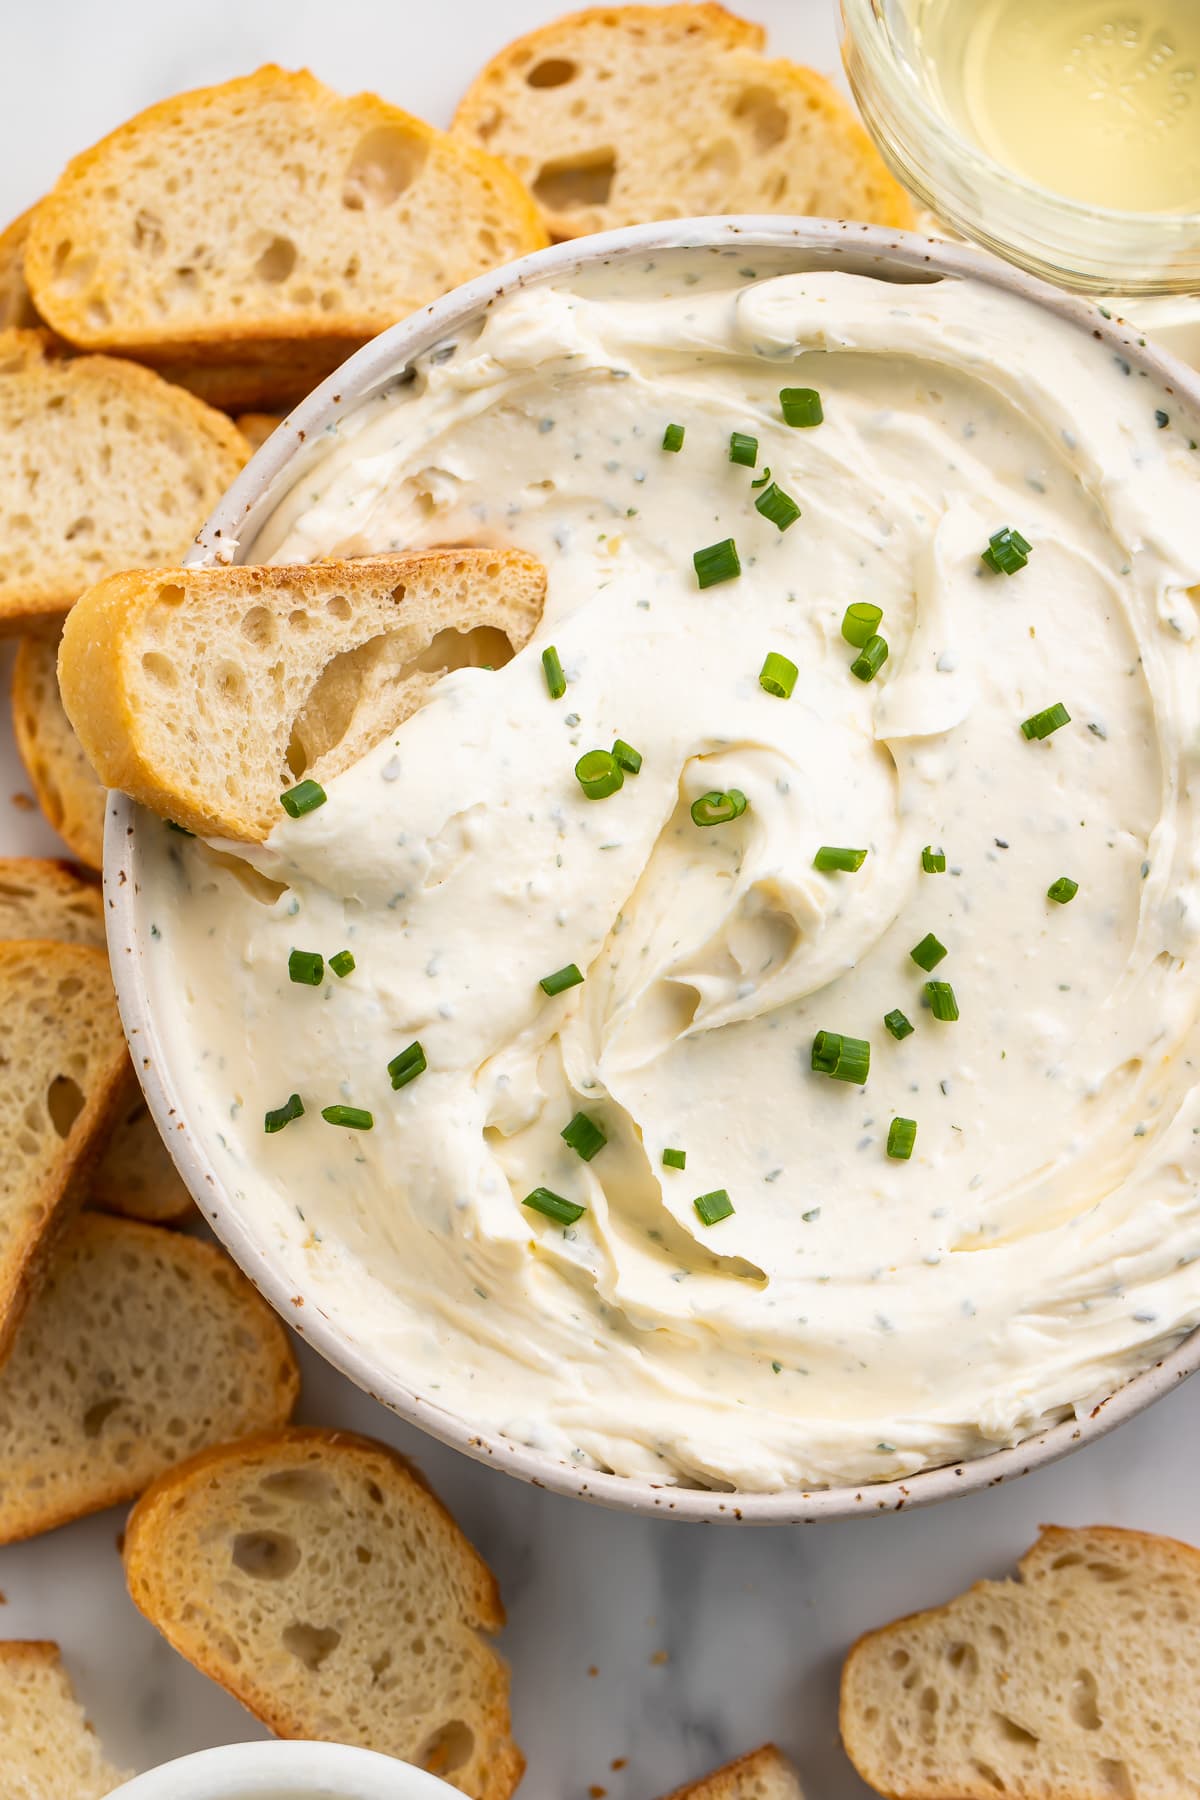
293 1771
229 536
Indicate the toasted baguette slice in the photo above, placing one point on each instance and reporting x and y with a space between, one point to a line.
134 1176
1078 1679
49 1751
764 1774
204 693
257 427
315 1575
336 218
63 1076
103 465
277 382
628 113
40 898
142 1348
16 306
61 775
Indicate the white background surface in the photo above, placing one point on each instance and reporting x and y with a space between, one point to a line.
672 1646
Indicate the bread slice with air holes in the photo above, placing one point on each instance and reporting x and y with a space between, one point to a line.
197 692
16 305
64 1074
60 774
103 465
49 1750
41 898
337 216
315 1575
1077 1681
628 113
764 1774
142 1348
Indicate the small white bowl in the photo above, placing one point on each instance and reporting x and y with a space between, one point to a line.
229 537
291 1771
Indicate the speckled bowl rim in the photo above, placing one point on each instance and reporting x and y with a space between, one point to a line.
225 538
298 1768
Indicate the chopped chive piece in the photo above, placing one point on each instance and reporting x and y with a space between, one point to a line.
761 481
801 406
830 857
599 774
561 980
408 1065
859 622
777 506
743 449
933 861
584 1136
556 681
1041 724
343 964
1007 552
898 1025
292 1108
1062 890
674 1159
553 1206
778 675
717 808
844 1058
902 1135
713 1207
305 797
942 1003
673 437
1162 419
354 1118
870 659
181 829
306 967
717 563
928 953
626 757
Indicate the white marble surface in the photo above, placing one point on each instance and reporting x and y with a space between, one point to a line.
669 1645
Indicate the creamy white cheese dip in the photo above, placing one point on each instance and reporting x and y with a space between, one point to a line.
857 1316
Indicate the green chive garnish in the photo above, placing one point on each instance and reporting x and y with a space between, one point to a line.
673 437
354 1118
306 967
713 1207
1062 890
717 807
844 1058
305 797
1041 724
1007 552
933 861
561 980
870 659
743 449
599 774
556 681
777 506
342 964
292 1108
860 622
942 1003
801 406
584 1136
626 757
553 1206
902 1135
762 480
408 1065
717 563
928 953
898 1025
674 1159
829 857
778 675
